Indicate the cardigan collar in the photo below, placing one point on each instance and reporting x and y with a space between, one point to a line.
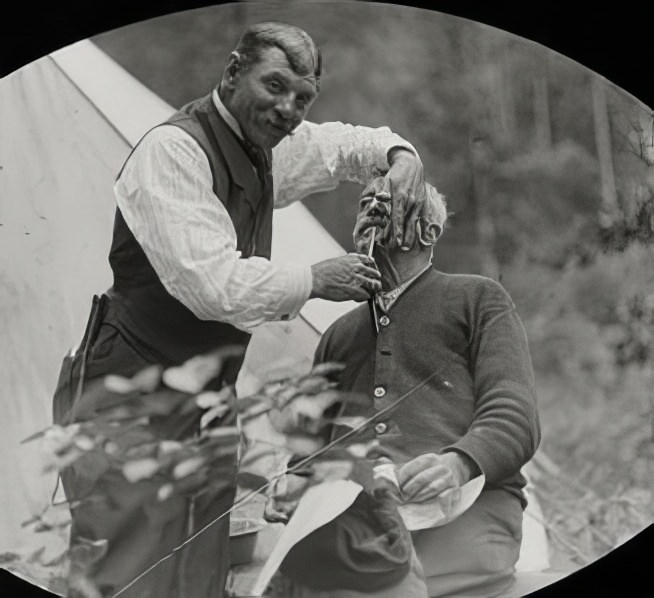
385 300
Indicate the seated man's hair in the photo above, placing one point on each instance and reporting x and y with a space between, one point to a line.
301 51
432 217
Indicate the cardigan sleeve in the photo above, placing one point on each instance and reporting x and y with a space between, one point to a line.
505 430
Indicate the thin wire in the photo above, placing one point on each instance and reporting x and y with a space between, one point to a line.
288 470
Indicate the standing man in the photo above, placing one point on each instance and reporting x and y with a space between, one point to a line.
192 272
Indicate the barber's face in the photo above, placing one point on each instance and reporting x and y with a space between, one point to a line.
268 98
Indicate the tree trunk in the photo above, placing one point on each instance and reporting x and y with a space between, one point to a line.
542 122
609 207
481 160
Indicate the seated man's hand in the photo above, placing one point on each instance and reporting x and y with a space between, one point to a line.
283 497
429 475
349 277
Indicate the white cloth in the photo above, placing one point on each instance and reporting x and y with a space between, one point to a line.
437 511
166 197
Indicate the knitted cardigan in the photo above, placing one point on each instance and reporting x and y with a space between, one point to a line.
466 328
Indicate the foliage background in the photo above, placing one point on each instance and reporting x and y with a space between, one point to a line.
547 169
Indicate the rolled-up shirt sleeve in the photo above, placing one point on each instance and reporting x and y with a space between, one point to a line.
317 157
166 197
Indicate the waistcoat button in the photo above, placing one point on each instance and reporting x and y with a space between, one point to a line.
381 427
380 391
384 321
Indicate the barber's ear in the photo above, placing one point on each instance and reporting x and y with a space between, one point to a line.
234 65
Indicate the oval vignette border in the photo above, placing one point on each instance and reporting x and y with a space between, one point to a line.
623 47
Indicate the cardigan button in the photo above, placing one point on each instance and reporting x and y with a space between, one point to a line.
384 321
380 391
381 427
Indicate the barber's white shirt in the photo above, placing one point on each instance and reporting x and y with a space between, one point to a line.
166 196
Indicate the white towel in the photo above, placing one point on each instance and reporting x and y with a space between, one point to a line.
441 509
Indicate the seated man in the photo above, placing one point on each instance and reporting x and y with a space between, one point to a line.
477 415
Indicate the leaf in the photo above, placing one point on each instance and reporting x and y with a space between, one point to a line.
8 557
329 470
195 373
140 469
63 434
34 436
128 437
118 413
362 450
119 384
111 448
226 432
159 404
290 487
35 557
212 398
304 413
167 447
253 409
81 586
272 387
31 520
84 443
60 559
83 555
190 379
247 403
218 452
326 368
187 467
351 452
313 384
194 482
165 492
303 445
284 395
97 397
282 420
43 527
214 413
60 461
141 451
148 379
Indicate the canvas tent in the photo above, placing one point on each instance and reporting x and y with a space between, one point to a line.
68 121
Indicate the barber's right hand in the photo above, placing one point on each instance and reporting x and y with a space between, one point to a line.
350 277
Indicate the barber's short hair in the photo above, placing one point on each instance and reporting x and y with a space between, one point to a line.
301 51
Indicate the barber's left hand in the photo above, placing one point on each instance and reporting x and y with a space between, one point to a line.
404 184
426 476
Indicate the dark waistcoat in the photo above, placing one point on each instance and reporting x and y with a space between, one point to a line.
159 325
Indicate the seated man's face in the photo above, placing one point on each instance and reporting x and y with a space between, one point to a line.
373 219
